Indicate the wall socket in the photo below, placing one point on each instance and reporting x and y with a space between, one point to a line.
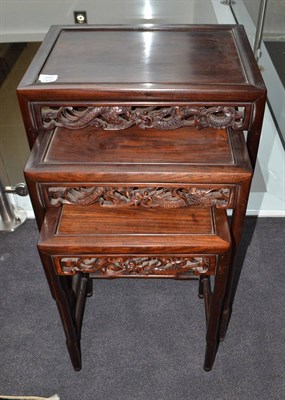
80 17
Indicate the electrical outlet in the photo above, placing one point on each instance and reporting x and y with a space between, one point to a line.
80 17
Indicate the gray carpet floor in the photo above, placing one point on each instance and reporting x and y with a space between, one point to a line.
144 339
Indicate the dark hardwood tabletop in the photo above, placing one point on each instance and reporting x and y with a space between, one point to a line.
143 62
147 56
93 229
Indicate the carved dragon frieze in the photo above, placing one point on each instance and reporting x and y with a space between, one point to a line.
148 197
157 117
144 266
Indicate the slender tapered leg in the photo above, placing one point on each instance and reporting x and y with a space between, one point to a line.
236 230
215 311
80 302
206 288
59 287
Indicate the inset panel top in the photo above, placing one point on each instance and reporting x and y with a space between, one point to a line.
145 62
145 56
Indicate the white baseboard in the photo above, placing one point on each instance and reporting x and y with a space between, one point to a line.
265 205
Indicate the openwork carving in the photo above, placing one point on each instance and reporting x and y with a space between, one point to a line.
162 118
148 197
112 266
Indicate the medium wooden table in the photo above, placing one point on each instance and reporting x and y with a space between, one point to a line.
137 151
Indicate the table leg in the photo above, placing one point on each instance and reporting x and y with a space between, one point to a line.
61 294
215 311
236 230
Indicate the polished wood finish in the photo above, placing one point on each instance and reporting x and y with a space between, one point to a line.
136 148
78 156
180 161
137 151
145 56
216 66
89 241
89 229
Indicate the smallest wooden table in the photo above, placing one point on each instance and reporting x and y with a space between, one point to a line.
96 242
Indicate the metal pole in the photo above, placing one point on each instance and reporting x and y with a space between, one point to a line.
259 29
6 210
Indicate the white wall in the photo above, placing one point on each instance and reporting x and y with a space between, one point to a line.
29 20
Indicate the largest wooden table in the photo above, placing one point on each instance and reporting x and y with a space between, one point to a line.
139 110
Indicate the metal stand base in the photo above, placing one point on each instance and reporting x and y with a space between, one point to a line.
11 217
10 226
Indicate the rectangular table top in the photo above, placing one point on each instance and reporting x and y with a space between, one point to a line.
145 56
136 230
136 155
144 61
